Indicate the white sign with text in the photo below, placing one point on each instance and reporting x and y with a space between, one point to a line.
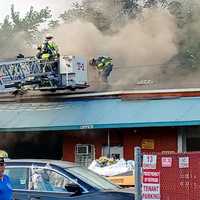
149 161
166 161
183 162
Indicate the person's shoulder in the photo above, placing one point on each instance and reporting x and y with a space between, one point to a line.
6 177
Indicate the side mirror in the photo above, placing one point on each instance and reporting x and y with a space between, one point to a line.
74 188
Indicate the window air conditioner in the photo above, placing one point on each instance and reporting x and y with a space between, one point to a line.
82 149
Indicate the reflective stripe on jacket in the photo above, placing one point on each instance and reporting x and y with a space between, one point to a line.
45 56
103 63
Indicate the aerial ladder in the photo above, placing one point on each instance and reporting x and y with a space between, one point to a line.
66 72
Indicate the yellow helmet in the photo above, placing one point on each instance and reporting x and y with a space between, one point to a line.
3 154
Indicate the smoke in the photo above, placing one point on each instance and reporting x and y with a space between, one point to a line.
142 42
10 139
15 44
149 40
28 145
9 142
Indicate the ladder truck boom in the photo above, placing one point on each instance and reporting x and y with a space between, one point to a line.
67 72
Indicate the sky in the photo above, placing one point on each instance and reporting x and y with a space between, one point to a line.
24 5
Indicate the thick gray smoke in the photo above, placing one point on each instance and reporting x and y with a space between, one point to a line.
16 45
9 141
28 145
11 138
146 41
151 40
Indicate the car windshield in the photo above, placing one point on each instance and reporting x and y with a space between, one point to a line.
92 179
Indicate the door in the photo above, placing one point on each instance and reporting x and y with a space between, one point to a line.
19 177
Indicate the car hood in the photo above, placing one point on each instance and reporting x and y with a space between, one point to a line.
108 195
128 190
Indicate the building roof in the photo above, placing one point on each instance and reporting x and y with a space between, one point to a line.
99 113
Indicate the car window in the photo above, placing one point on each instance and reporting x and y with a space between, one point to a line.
48 180
18 177
92 178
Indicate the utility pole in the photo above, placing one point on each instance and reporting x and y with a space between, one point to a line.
109 144
138 169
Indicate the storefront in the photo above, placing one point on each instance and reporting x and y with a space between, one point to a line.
118 143
89 128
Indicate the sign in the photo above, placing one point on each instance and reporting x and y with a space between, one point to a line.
148 144
87 127
183 162
149 161
151 185
166 161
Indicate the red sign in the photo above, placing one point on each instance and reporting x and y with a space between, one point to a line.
151 185
151 177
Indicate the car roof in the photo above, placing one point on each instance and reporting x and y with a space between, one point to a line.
63 164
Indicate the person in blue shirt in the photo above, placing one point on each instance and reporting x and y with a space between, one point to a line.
5 184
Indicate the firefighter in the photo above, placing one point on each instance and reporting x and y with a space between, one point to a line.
49 50
104 66
43 53
39 53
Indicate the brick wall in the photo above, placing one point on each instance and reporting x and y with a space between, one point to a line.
165 139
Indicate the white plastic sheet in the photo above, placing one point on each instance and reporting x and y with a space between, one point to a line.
120 167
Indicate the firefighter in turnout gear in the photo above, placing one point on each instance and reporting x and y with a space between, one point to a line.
49 50
39 53
104 66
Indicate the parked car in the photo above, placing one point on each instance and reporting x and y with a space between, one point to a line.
59 180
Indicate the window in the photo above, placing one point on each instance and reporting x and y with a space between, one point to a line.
18 177
48 180
91 178
193 144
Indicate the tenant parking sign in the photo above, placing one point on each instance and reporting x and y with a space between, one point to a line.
151 185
